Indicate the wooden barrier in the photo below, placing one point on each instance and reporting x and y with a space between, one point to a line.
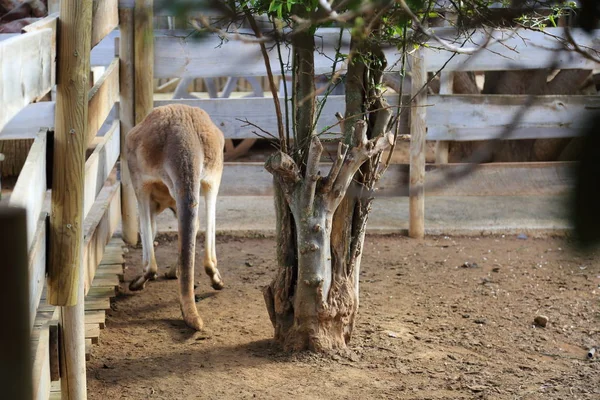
449 117
65 274
25 71
102 98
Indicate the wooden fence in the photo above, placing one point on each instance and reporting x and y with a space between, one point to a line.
28 69
30 63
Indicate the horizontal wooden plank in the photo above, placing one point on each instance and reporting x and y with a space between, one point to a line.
92 331
102 97
96 317
100 224
30 189
496 179
28 122
99 165
104 291
481 117
25 71
94 304
449 117
179 54
49 22
105 18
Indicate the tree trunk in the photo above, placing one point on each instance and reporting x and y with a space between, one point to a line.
313 300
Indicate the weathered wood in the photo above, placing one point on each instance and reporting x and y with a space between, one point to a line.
92 331
143 46
30 190
105 19
127 117
94 304
15 347
180 55
37 266
481 117
25 71
455 117
418 130
65 273
104 291
40 349
102 98
442 146
101 223
96 317
99 166
49 22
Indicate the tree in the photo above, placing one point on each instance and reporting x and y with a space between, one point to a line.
321 218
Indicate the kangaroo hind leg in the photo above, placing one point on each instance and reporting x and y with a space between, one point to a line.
210 188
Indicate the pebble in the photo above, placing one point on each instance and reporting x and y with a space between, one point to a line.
541 320
522 236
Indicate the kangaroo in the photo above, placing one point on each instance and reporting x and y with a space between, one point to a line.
172 154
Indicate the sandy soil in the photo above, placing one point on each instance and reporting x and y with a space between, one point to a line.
430 327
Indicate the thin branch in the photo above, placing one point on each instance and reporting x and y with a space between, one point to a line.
265 55
312 175
200 23
248 123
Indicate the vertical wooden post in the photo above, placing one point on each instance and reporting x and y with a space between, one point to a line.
441 146
127 115
65 275
144 59
418 130
15 341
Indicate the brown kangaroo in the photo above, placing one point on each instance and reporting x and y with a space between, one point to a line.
173 153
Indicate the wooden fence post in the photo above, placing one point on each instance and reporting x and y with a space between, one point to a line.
15 341
143 59
418 130
65 275
129 221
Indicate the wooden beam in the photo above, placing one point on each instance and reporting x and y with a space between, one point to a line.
100 225
102 98
30 189
65 274
99 166
105 19
25 71
143 50
40 349
15 346
418 130
127 117
49 22
179 54
442 146
449 117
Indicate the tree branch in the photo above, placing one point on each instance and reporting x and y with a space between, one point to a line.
336 167
312 175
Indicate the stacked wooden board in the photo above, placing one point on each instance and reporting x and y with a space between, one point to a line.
97 301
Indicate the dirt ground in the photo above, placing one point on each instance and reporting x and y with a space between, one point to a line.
430 327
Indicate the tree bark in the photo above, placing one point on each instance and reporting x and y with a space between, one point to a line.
313 300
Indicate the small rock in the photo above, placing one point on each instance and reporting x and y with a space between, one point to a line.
155 243
480 321
391 334
522 236
197 298
541 320
466 316
469 265
106 366
496 269
249 264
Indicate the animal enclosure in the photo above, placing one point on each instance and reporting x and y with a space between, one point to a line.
119 70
